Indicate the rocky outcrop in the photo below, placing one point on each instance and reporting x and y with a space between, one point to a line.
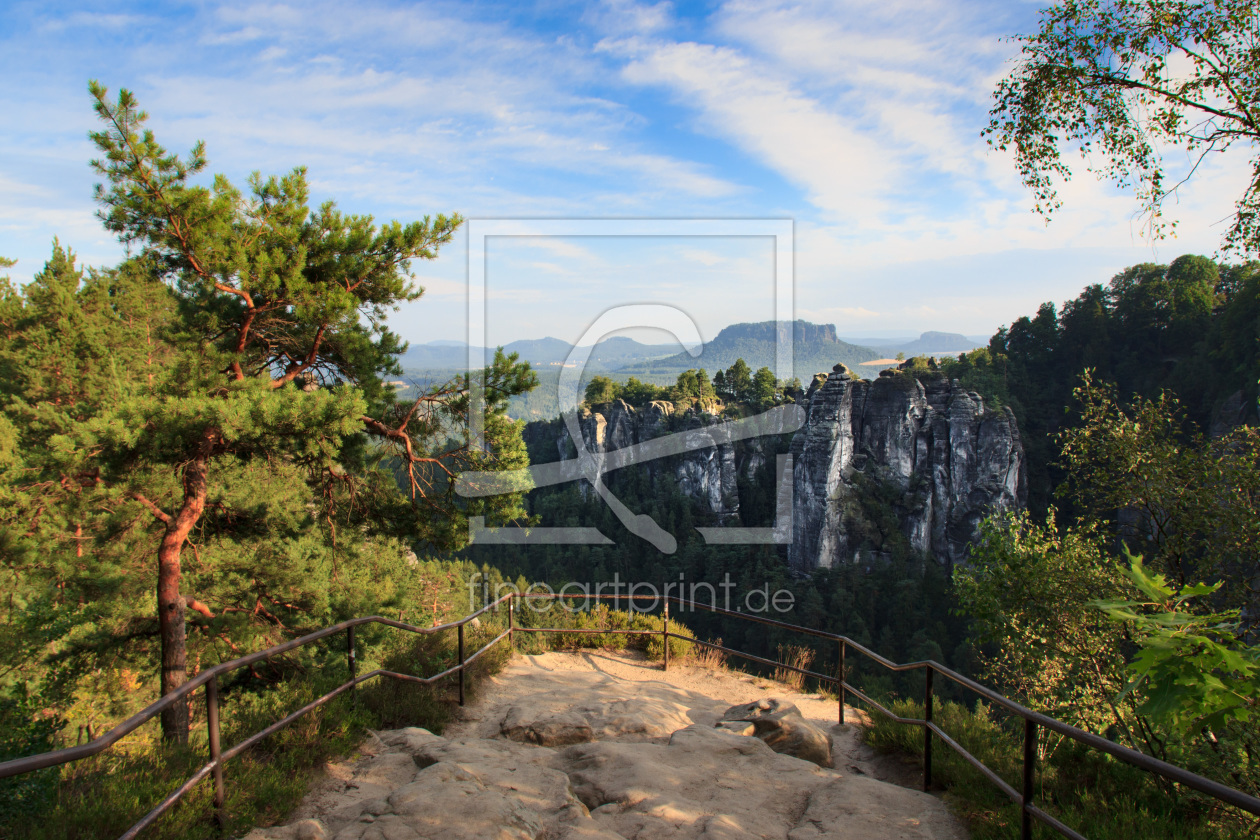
657 767
1234 411
927 452
554 718
706 473
783 728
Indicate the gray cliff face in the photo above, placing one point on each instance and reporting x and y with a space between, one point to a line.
928 451
706 473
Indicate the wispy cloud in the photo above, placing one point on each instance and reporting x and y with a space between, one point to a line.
844 172
94 20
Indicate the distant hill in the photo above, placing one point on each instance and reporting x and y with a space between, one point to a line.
815 348
439 355
933 344
610 354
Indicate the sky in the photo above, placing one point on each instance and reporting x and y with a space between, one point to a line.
859 121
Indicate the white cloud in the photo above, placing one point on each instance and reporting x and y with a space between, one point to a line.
844 172
235 36
95 20
628 17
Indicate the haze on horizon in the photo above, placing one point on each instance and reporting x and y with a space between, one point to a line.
859 121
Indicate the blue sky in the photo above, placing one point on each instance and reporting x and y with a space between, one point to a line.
858 120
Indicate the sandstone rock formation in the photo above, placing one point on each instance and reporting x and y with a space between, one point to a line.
783 728
555 718
636 780
946 460
706 473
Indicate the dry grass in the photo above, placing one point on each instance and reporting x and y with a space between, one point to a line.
706 657
796 656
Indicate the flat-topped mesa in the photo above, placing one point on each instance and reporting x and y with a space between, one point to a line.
928 451
774 330
706 473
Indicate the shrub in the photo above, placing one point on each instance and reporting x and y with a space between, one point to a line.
1089 791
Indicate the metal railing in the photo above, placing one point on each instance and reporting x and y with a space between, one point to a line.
209 678
1033 721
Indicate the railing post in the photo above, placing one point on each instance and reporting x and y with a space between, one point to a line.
461 664
511 623
840 684
351 664
665 634
212 724
1030 771
927 730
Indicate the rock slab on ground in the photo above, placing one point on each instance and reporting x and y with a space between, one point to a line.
707 778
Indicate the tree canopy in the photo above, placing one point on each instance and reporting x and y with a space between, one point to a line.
1125 80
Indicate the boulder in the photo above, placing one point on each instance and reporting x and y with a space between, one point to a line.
527 726
301 830
783 728
706 783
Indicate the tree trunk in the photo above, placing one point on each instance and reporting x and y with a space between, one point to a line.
170 603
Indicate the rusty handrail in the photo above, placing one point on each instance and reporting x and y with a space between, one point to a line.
209 679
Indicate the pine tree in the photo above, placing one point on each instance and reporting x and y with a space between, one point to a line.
255 405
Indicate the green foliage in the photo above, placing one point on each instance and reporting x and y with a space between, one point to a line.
980 370
1193 669
1089 791
738 382
620 629
1027 589
1124 79
105 795
1167 673
765 389
640 393
692 387
25 729
1190 504
602 390
210 421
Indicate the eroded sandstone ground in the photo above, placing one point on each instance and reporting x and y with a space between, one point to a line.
606 746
